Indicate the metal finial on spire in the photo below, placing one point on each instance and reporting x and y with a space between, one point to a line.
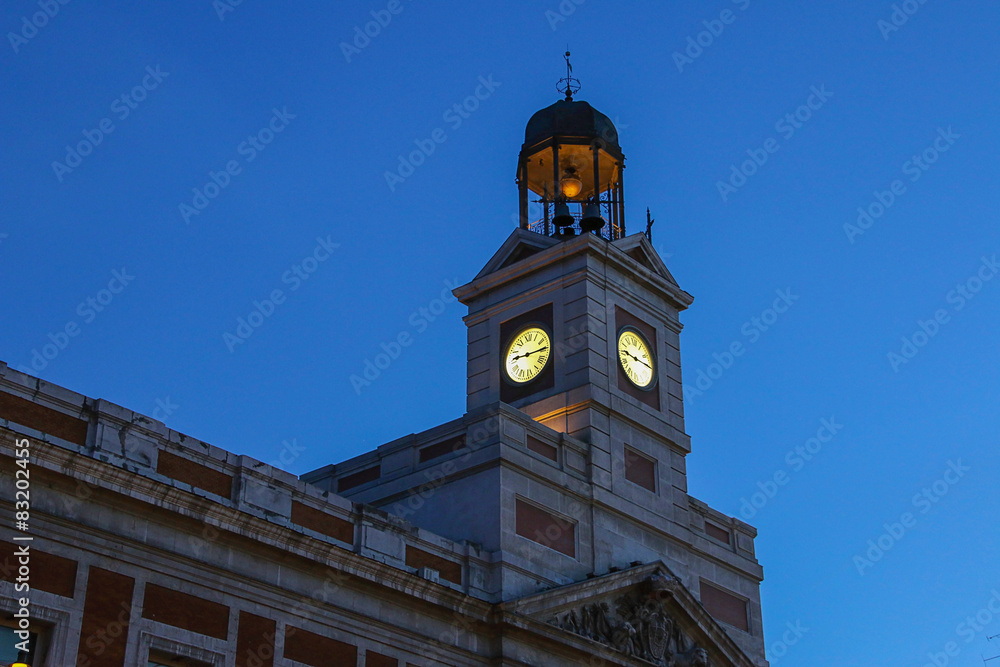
570 85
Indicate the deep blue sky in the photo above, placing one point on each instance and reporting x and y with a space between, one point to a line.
161 338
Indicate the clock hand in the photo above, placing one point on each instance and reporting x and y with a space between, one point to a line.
528 354
639 360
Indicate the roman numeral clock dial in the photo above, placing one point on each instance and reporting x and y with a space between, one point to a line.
636 358
527 355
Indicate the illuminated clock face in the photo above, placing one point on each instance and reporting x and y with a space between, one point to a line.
527 355
636 358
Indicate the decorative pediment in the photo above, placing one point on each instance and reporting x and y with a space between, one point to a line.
530 251
521 244
639 625
644 613
638 247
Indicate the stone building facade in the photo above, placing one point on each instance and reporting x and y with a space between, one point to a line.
550 525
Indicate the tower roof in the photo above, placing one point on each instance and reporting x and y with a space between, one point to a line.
571 118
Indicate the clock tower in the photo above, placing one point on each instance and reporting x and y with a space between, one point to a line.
604 303
570 462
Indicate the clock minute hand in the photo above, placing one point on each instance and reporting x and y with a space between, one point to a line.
639 360
528 354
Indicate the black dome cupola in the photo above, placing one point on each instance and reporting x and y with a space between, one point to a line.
572 161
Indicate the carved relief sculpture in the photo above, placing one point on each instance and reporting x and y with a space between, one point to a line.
640 627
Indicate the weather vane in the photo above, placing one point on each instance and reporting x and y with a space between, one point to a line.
569 85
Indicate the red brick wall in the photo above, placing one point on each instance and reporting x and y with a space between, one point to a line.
184 611
321 522
358 478
106 611
255 641
640 469
318 651
545 528
24 412
545 449
49 573
449 570
720 534
725 607
441 449
373 659
195 474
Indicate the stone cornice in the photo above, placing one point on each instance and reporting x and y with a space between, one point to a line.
167 496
